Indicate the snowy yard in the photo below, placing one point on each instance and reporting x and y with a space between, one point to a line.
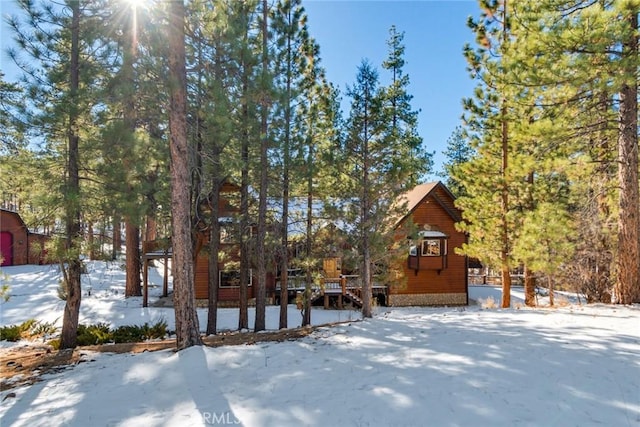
571 366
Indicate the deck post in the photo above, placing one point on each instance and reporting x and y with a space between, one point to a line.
145 282
165 279
340 305
326 301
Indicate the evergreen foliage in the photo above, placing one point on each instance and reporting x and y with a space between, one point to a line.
569 71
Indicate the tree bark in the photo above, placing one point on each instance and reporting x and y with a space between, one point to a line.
627 288
132 230
529 288
68 338
284 276
504 210
117 238
187 325
261 286
306 314
364 217
132 243
214 249
91 241
245 230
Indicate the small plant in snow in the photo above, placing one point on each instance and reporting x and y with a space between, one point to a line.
487 303
4 287
29 329
4 293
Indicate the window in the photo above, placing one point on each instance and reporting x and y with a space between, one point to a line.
431 247
231 278
413 250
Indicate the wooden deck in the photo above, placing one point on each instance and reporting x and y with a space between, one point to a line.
339 289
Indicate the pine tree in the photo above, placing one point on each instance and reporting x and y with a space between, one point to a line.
582 57
211 49
10 125
404 143
488 210
187 326
297 76
61 74
627 287
286 27
384 159
317 123
458 152
243 23
265 106
364 129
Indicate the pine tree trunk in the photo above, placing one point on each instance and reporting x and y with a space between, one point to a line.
132 230
365 220
366 279
529 278
551 296
151 223
284 277
505 275
529 288
132 287
627 288
306 315
91 241
245 231
504 210
117 238
261 286
187 326
214 249
504 199
151 228
68 338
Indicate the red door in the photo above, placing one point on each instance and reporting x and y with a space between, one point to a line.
6 248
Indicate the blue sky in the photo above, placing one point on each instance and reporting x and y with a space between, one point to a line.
435 33
351 30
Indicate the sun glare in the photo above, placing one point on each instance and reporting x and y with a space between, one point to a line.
138 4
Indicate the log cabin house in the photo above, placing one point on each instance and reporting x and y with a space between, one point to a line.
229 275
18 245
433 273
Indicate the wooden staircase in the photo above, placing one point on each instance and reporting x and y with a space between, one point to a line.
355 299
316 294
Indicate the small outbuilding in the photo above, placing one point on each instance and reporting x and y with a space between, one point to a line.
19 246
433 273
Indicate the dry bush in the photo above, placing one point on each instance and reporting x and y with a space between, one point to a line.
487 303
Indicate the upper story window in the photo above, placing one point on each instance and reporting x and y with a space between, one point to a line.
429 252
433 247
432 243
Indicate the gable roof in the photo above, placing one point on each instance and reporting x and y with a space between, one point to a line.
16 215
418 194
414 197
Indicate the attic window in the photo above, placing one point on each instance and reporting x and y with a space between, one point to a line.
433 247
430 252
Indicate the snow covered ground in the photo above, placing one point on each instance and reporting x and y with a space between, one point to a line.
570 366
34 294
